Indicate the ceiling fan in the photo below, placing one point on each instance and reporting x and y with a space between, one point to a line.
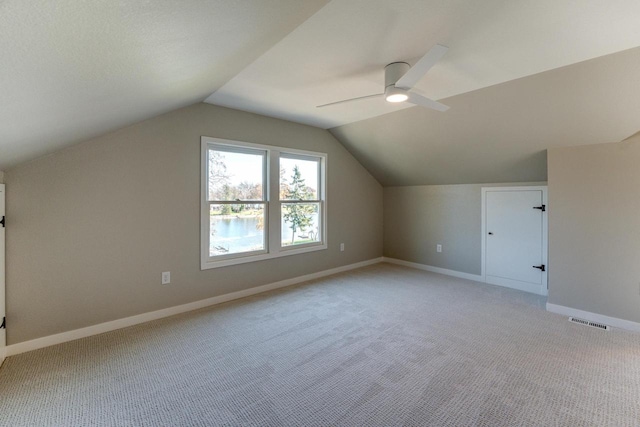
400 77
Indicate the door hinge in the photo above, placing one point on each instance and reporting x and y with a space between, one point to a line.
2 221
543 208
4 323
540 267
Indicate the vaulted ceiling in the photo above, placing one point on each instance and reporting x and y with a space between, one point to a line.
72 70
520 76
501 133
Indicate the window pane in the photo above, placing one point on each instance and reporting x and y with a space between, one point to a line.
236 228
298 179
235 176
300 223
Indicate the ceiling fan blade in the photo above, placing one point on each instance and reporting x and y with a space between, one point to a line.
349 100
631 137
423 101
421 67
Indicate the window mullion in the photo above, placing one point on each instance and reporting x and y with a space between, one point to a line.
237 202
273 195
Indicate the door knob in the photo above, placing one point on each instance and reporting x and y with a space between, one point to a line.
490 234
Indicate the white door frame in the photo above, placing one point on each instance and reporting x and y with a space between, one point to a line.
545 232
3 344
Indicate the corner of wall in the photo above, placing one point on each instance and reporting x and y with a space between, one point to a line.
593 222
418 218
108 264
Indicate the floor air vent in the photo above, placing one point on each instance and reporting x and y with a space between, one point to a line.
587 323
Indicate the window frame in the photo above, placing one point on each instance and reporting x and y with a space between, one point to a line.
264 201
272 203
319 200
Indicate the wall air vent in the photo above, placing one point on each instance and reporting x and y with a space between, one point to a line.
592 324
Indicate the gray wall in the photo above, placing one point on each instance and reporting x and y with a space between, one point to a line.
1 177
93 226
417 218
594 228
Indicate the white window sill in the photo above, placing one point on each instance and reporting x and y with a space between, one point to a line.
287 251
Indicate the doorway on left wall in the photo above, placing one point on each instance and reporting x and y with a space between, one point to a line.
3 323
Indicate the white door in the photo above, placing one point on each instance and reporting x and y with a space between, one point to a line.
515 238
3 330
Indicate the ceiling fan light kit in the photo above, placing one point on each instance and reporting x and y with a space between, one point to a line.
395 94
400 77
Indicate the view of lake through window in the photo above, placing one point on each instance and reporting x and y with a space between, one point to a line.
236 183
260 202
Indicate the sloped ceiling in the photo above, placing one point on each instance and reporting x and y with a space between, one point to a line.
72 70
341 51
501 133
515 75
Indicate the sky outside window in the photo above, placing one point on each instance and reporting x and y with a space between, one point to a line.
308 171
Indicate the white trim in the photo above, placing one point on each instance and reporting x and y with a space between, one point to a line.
241 259
273 246
62 337
545 231
3 333
454 273
594 317
516 284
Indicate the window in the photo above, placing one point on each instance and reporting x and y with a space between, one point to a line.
260 202
300 203
236 190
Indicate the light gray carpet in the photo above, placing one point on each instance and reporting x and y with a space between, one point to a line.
380 346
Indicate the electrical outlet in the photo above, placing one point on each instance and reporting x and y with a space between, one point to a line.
438 247
166 277
341 247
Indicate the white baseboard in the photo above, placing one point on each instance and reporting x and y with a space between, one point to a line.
454 273
594 317
62 337
516 284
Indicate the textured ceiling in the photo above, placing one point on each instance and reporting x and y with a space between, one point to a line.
501 133
340 52
74 69
513 76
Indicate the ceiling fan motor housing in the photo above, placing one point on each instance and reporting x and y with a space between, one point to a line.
393 72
